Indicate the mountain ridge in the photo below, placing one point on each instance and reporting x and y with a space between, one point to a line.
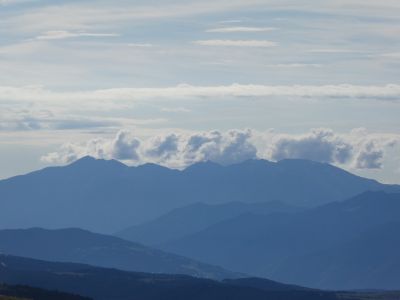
81 246
105 284
89 191
261 245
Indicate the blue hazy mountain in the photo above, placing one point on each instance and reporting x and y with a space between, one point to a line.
107 196
193 218
274 246
106 284
370 260
79 246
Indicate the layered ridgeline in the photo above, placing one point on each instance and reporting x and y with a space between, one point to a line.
351 244
79 246
106 284
193 218
107 196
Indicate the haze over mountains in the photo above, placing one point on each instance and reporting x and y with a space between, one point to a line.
101 283
107 196
294 221
196 217
79 246
342 245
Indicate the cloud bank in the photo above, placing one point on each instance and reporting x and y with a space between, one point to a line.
341 91
356 149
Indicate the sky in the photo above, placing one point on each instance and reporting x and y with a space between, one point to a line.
175 82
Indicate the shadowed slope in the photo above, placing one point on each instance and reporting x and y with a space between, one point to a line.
79 246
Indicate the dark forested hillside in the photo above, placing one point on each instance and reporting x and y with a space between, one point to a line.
21 292
106 284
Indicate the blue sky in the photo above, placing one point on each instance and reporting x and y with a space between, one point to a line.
175 82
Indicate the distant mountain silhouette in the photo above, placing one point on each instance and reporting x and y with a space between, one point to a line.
106 284
321 247
194 218
79 246
107 196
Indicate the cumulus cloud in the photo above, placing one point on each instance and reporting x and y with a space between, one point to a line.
356 149
226 148
176 150
163 148
320 145
370 156
237 43
125 146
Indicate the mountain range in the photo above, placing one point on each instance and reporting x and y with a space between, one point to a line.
80 246
343 245
296 221
193 218
107 284
108 196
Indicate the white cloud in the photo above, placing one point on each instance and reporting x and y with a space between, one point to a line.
295 66
370 156
25 119
237 43
38 93
175 110
83 15
62 34
319 145
356 149
140 45
335 51
175 150
125 146
9 2
241 29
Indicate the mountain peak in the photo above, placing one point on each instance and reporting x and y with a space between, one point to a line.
90 161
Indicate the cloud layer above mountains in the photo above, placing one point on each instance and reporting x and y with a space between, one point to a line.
177 75
357 149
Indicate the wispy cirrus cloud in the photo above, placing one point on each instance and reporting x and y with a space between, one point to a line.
62 34
237 43
58 120
241 29
341 91
140 45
